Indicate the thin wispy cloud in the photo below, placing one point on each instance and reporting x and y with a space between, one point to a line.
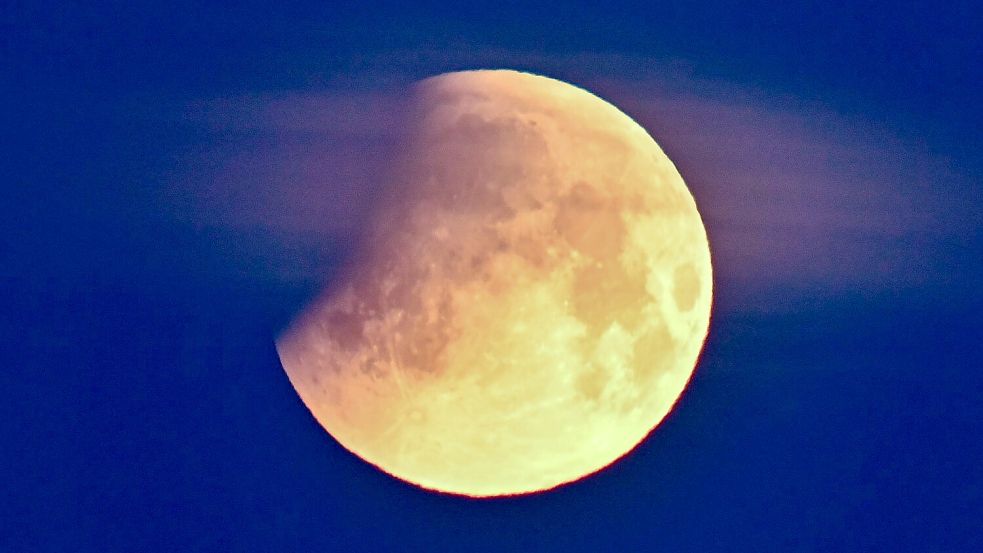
802 203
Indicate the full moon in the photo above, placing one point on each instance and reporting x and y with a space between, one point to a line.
529 300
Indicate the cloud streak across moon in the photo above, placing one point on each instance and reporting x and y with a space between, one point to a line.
797 196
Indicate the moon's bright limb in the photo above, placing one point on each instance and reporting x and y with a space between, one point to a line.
529 305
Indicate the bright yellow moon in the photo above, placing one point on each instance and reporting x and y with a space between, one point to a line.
529 304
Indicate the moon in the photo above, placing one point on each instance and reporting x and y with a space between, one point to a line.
528 303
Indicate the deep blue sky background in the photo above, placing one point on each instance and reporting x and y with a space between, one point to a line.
146 265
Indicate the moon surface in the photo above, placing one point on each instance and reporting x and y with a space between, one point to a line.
530 299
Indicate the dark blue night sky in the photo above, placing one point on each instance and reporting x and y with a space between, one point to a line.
178 180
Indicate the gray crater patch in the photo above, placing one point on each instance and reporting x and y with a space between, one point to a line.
685 286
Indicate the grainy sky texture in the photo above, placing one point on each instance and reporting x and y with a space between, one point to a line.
178 180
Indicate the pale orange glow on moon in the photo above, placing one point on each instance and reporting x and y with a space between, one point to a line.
530 303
